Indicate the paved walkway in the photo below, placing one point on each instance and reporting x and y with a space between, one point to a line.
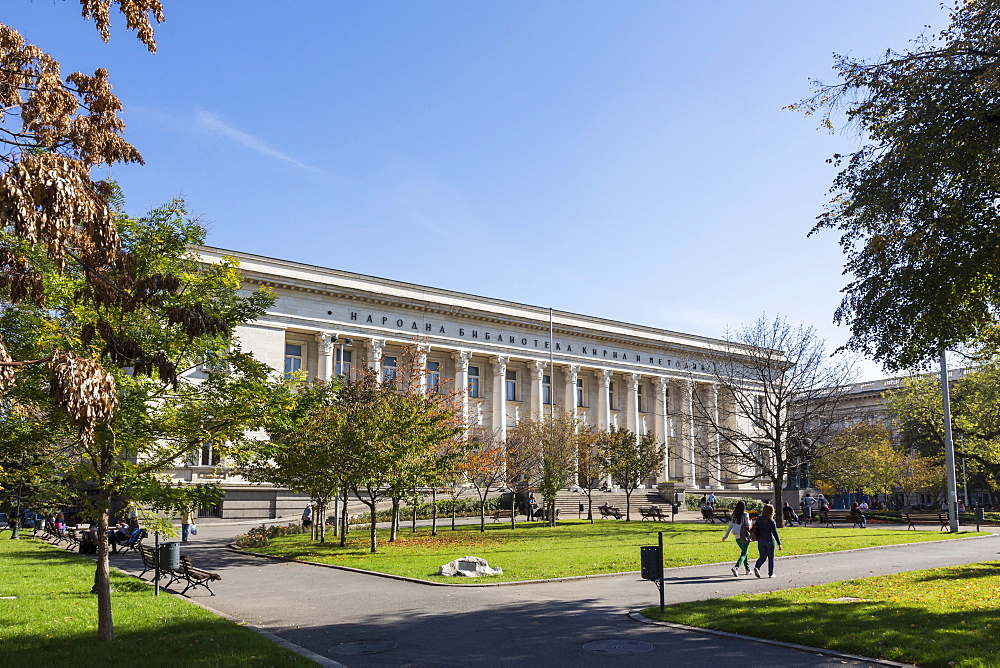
337 614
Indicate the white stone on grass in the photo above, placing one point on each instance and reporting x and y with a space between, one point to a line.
470 567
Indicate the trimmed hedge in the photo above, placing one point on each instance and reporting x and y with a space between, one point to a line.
463 508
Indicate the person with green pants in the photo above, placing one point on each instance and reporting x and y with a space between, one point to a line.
739 526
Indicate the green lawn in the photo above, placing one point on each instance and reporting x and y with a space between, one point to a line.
536 551
53 619
938 617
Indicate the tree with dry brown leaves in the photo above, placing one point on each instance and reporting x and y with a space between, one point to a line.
53 131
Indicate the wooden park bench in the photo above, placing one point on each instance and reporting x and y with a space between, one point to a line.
652 513
195 577
501 513
828 517
148 559
721 516
610 511
912 519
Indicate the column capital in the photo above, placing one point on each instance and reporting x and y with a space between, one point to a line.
633 381
537 368
423 348
603 377
376 346
499 363
326 342
687 386
572 371
461 358
660 387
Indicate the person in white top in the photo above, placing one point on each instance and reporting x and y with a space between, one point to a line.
739 526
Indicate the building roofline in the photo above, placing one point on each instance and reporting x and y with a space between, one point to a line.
540 312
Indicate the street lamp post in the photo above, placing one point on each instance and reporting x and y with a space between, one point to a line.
949 447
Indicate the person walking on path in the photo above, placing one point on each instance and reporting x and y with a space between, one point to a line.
739 526
186 523
767 536
307 516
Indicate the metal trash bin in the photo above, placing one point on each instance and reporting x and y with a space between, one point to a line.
651 557
169 556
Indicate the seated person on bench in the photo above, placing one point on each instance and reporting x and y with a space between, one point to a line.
789 514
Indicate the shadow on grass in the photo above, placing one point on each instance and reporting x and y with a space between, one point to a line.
882 629
212 642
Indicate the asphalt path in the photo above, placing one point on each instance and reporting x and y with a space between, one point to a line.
363 620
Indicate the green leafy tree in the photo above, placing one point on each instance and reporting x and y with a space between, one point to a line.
152 328
305 450
629 459
542 453
862 458
916 205
390 434
916 407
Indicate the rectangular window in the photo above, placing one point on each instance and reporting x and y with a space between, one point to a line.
611 396
581 394
208 456
474 382
546 389
389 369
434 376
511 386
642 403
343 366
293 359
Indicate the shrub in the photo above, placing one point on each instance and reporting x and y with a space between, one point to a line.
693 502
463 508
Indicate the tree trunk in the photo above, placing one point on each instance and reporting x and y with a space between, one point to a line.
344 523
102 576
482 514
513 497
394 523
454 511
434 512
413 527
779 515
590 505
628 504
552 512
371 506
320 518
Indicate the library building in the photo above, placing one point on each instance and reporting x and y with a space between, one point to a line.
514 360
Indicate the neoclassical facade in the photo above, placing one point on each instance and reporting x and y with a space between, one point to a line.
514 360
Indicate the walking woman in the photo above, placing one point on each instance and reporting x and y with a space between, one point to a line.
739 526
767 536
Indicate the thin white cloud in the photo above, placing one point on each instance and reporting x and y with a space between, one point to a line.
211 123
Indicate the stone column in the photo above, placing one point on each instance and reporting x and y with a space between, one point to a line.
603 400
715 466
572 373
661 429
537 371
499 364
687 429
419 379
632 407
462 358
325 343
375 347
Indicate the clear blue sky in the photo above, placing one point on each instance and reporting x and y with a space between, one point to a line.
629 160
